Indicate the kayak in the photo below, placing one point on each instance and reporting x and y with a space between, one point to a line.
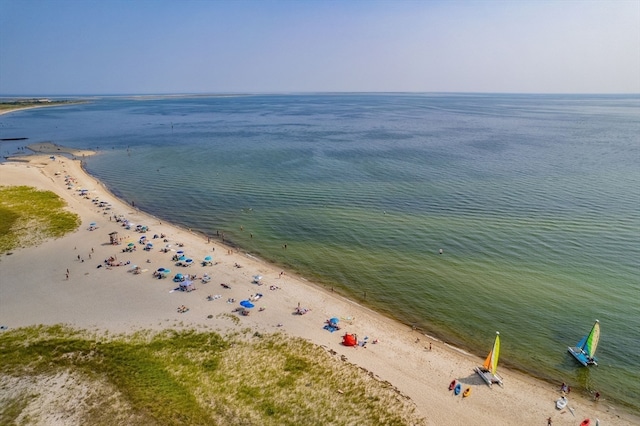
585 422
452 384
466 392
457 389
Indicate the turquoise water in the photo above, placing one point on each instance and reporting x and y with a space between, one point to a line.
535 200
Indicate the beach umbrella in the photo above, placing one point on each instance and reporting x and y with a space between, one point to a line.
130 245
334 321
180 252
207 259
247 304
161 269
183 257
257 278
188 261
166 271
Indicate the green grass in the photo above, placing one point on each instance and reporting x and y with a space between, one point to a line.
196 378
28 216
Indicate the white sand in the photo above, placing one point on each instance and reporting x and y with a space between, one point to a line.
34 290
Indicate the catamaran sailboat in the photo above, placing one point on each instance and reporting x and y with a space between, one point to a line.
488 370
585 350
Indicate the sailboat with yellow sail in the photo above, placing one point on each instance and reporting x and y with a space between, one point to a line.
585 350
488 370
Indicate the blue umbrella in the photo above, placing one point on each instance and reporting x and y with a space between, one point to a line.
180 252
247 304
208 258
334 320
161 269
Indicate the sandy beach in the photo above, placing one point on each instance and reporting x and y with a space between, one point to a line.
35 289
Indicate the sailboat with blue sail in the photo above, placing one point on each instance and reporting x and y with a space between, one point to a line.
488 370
585 350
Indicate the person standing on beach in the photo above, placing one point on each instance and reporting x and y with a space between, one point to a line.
549 421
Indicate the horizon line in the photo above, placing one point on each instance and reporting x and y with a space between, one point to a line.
258 93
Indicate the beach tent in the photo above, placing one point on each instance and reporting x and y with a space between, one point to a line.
349 340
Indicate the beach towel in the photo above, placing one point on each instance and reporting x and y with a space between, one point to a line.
330 328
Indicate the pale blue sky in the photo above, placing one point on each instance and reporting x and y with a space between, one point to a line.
154 46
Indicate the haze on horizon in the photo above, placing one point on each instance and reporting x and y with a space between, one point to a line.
67 47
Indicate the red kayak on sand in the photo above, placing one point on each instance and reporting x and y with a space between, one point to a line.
452 384
585 422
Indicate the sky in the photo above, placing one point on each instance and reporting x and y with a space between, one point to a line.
82 47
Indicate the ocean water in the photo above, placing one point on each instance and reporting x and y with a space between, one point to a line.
534 200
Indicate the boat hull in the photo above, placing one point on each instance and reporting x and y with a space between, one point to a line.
488 377
562 403
582 357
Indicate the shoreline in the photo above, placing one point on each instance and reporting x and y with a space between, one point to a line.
402 357
44 105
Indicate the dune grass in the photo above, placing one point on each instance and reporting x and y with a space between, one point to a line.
189 377
28 216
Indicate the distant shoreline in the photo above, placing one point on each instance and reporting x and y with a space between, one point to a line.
13 107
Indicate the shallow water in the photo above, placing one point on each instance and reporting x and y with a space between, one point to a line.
534 200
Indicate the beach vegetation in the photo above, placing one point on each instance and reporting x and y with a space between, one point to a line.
28 216
186 377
